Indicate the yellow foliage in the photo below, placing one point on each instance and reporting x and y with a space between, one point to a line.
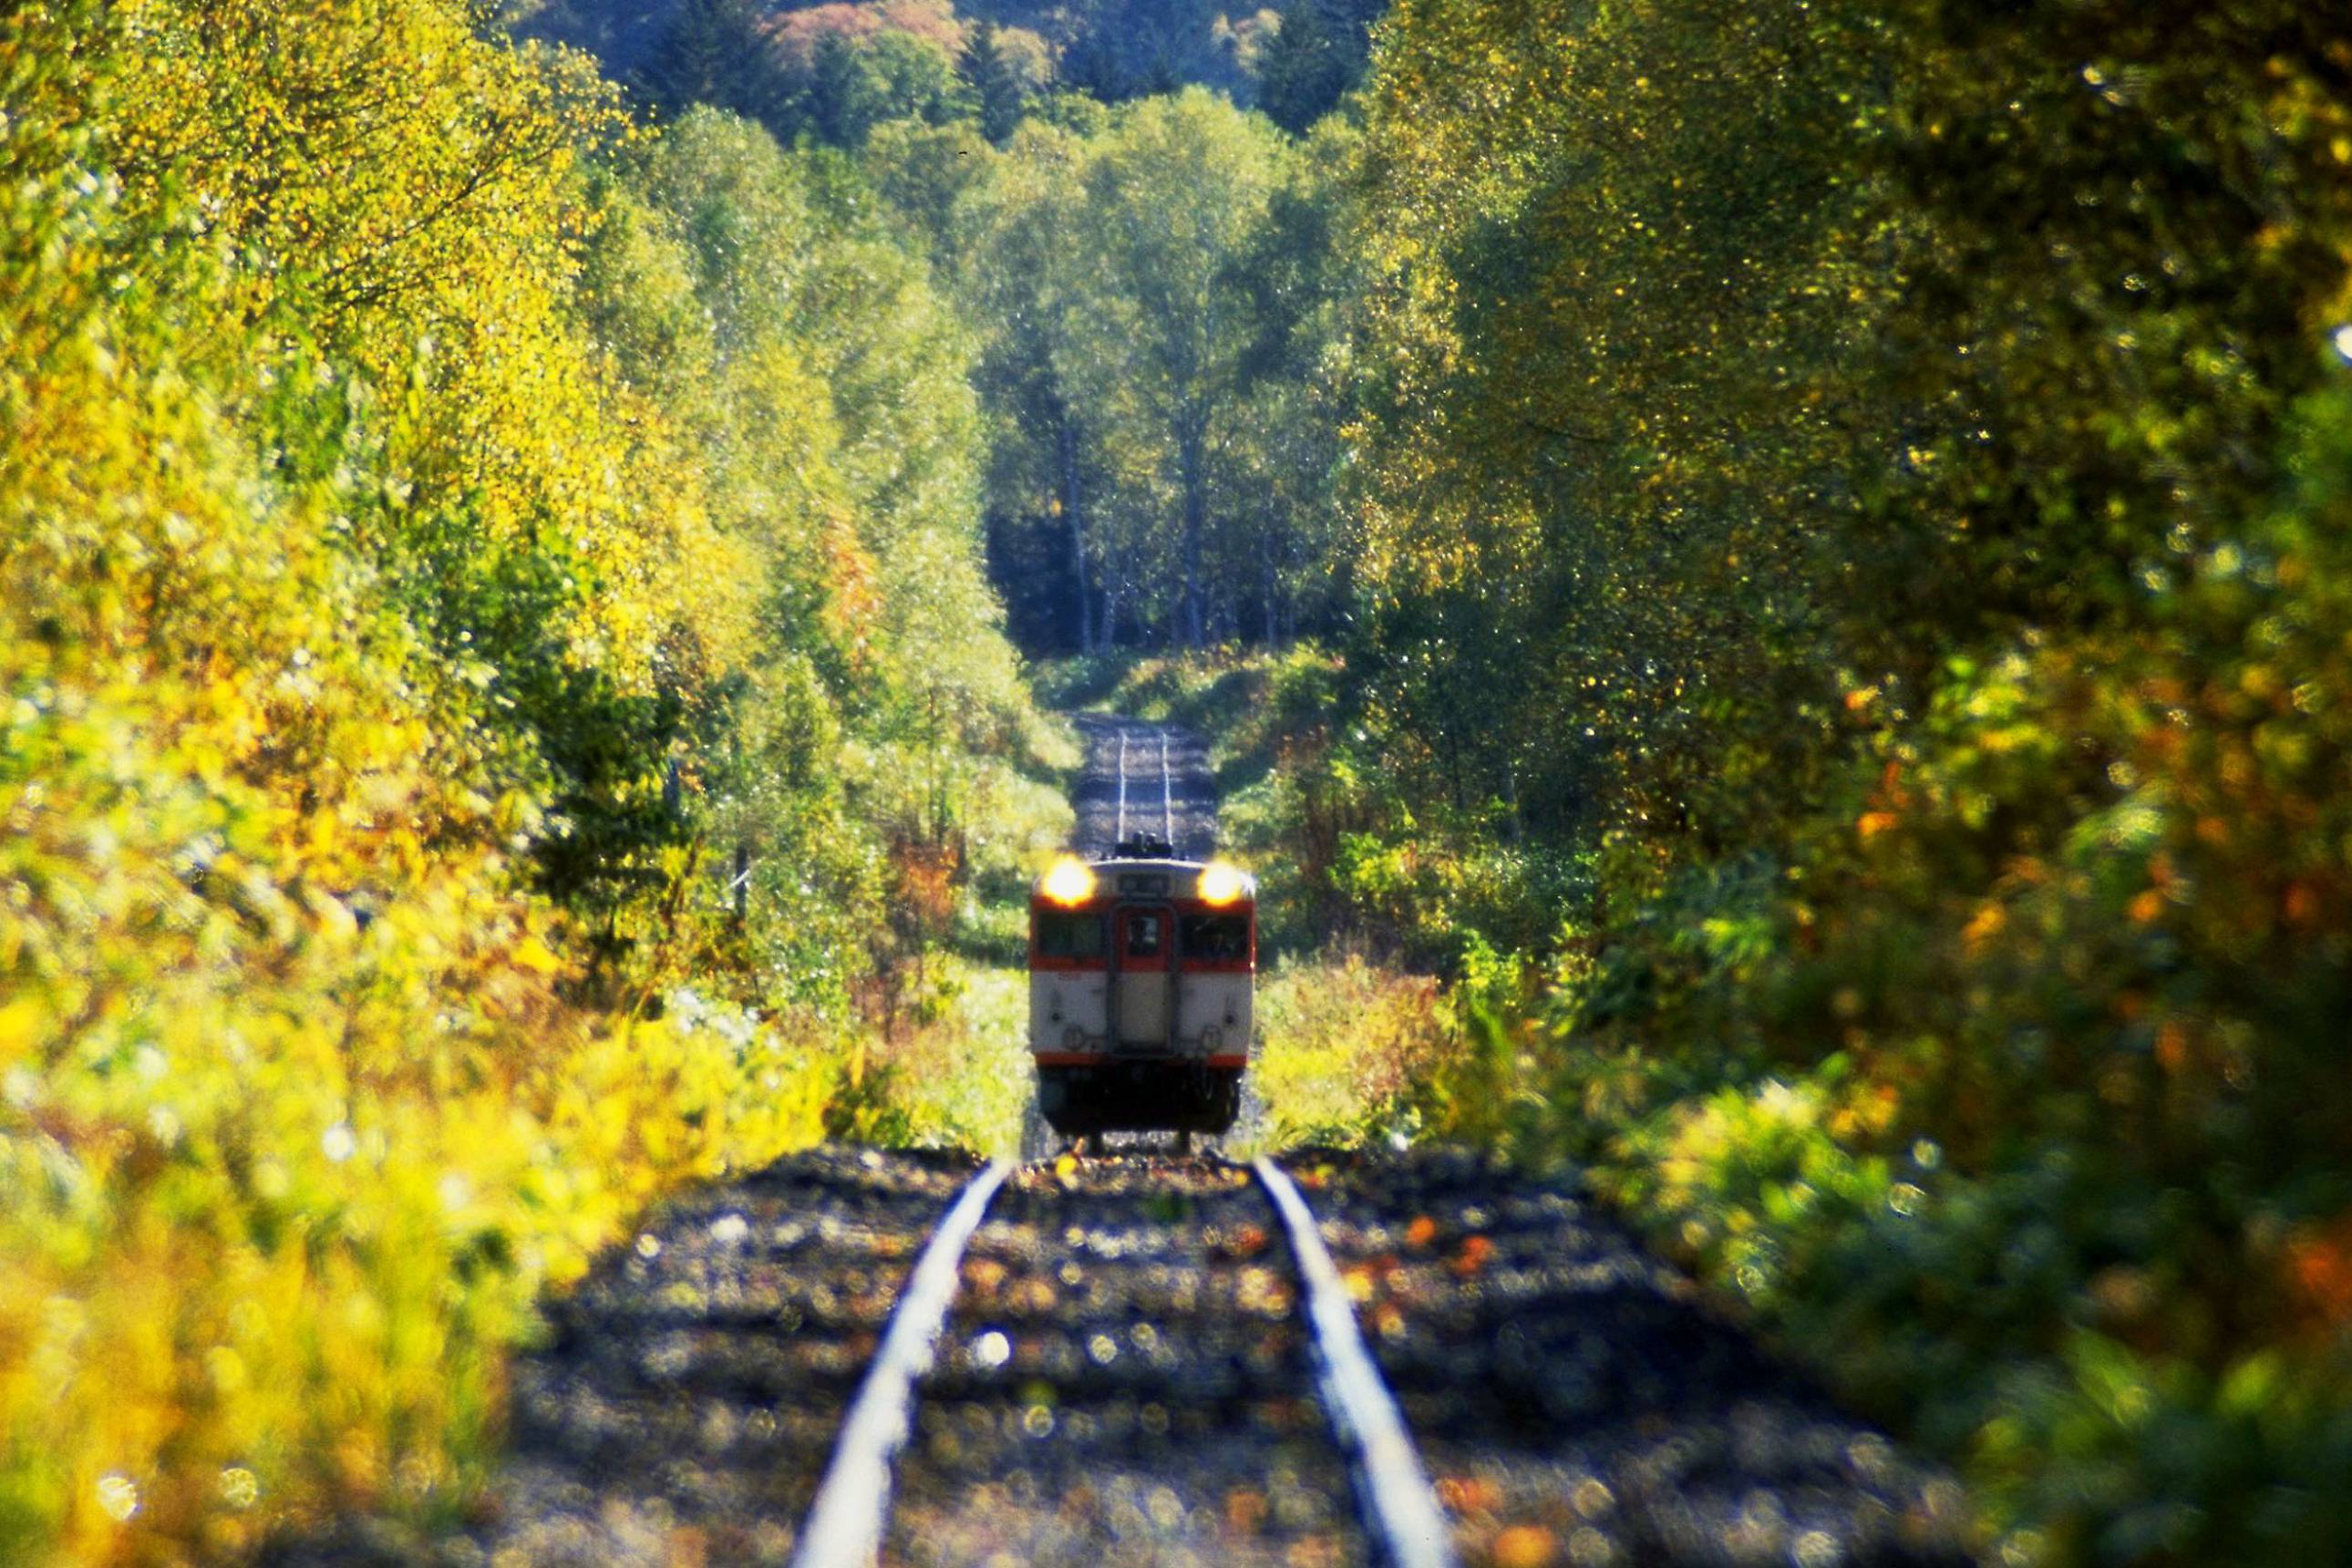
1343 1046
405 187
294 1125
359 542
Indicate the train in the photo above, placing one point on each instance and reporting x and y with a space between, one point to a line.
1142 980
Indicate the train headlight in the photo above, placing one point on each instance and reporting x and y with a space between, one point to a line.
1222 884
1069 882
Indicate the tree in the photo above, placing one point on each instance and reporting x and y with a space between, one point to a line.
848 83
841 95
1302 73
1301 279
997 95
924 171
1020 273
1090 66
1172 195
915 77
712 52
1559 344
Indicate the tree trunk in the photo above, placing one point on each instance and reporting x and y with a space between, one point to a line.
1270 578
1066 442
1113 582
1192 470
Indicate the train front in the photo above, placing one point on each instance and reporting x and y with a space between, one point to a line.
1140 986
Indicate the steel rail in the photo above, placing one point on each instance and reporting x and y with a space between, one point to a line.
1399 1507
1119 833
1167 798
844 1523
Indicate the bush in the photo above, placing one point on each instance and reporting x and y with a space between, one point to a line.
1341 1046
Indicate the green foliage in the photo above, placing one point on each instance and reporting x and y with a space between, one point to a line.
1562 513
958 1075
1302 72
1172 193
998 96
1870 482
923 171
1154 304
887 724
835 72
711 53
1342 1045
468 567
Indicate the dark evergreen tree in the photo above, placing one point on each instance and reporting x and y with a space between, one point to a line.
1090 64
1161 76
1351 22
843 98
712 53
994 88
1304 70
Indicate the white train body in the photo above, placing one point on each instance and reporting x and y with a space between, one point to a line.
1142 975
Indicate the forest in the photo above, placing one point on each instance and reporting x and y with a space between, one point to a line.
1776 578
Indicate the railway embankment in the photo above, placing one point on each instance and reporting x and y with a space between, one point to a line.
1415 1356
1128 1373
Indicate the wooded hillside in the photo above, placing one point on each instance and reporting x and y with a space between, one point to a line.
1110 50
501 691
1793 554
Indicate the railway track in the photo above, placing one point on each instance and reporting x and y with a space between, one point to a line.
1140 1370
1143 778
920 1360
1143 1360
1131 763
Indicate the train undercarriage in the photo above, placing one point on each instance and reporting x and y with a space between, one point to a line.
1139 1095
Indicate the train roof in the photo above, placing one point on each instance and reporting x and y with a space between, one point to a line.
1109 876
1146 847
1139 863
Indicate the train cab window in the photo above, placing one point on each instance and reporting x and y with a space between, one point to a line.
1143 936
1066 933
1216 939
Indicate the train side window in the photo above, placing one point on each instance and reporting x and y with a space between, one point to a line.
1066 933
1220 939
1143 936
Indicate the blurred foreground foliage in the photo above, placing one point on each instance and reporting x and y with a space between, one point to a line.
467 565
1849 505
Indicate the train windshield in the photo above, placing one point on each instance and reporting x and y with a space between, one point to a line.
1223 939
1066 933
1143 936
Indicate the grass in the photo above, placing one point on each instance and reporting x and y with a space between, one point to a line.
1343 1046
958 1075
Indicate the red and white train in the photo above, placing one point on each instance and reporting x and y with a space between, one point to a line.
1141 973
